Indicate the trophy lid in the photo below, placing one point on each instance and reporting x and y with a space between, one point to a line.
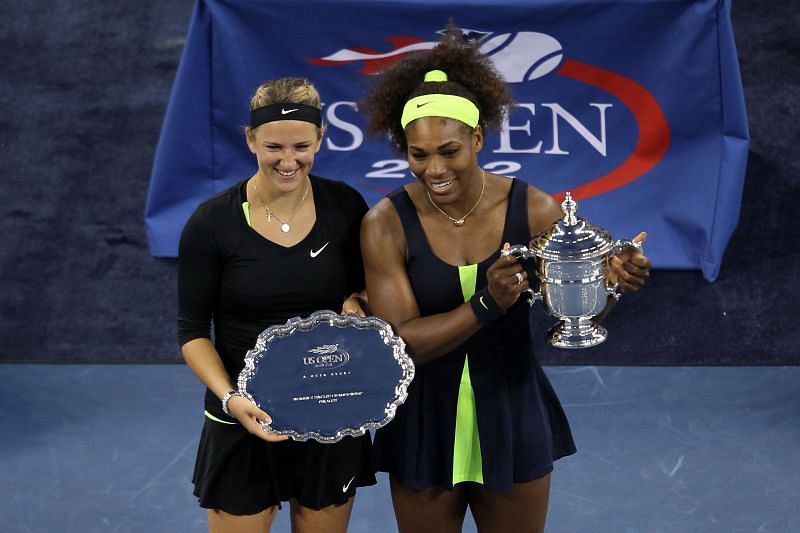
571 237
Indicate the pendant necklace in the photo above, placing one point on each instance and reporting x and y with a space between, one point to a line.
458 222
285 227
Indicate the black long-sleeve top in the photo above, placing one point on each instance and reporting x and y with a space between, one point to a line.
232 276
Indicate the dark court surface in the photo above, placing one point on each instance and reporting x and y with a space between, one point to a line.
110 448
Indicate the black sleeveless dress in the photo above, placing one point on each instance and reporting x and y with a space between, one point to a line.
486 411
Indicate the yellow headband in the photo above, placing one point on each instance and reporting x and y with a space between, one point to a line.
440 105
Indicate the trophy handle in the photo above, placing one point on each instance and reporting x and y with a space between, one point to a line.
534 295
620 244
617 247
523 252
517 250
613 291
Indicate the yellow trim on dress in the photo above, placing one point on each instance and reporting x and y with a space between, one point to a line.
221 421
467 460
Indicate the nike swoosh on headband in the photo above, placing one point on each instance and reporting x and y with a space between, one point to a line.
422 104
286 112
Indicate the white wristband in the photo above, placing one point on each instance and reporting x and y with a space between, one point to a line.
225 399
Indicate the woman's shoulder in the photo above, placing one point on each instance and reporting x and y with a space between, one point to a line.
382 211
385 210
217 211
383 222
382 229
220 202
543 209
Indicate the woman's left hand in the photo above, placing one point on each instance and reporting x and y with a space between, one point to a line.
630 268
352 306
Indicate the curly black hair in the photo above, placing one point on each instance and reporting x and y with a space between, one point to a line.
470 75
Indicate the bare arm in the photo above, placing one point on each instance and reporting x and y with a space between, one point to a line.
202 358
383 247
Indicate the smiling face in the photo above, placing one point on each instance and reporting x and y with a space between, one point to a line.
443 155
285 152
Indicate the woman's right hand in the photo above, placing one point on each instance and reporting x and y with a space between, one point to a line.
507 280
250 416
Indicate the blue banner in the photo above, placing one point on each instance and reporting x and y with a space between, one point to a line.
635 107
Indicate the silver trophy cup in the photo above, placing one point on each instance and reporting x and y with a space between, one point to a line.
572 272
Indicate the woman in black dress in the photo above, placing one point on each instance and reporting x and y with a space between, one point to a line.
279 244
481 426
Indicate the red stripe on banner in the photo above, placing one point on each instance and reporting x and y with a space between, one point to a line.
400 41
654 134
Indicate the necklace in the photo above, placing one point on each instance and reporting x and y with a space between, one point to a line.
285 227
458 222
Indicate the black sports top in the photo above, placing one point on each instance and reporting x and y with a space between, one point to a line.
229 274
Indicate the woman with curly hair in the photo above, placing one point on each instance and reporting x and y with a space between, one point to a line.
482 426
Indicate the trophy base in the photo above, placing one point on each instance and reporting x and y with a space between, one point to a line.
575 333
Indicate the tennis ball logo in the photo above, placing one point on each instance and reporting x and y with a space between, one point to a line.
524 55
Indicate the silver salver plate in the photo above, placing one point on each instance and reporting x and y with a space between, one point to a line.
327 376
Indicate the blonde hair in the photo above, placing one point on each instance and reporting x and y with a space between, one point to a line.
287 91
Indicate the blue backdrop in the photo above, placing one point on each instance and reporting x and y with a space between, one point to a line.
636 107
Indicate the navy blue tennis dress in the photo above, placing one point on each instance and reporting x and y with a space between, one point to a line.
486 411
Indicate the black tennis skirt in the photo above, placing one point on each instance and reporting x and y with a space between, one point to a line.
241 474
